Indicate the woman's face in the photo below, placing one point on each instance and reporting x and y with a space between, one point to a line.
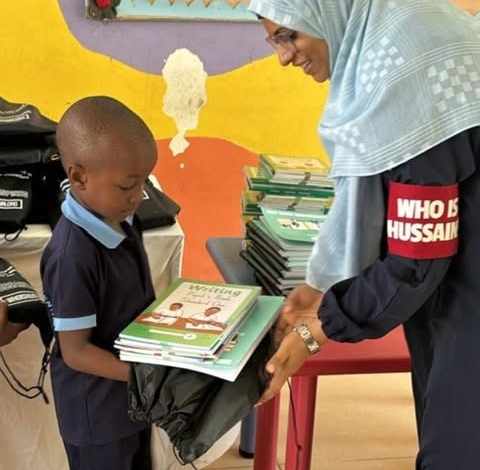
300 50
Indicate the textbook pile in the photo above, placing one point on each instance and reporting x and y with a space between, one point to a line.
294 183
283 207
208 327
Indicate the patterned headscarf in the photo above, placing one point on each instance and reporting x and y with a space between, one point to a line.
405 76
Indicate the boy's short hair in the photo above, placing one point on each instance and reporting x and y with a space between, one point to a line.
87 122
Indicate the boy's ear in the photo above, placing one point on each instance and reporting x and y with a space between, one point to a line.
77 176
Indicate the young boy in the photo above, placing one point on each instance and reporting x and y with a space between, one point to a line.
96 279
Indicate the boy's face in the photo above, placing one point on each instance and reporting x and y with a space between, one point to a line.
113 187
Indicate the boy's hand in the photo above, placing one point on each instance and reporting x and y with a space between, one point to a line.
83 356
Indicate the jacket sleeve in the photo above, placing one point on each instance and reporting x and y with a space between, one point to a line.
394 287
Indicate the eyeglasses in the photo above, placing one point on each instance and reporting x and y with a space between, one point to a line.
285 39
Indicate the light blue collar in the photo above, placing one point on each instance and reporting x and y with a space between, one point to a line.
94 226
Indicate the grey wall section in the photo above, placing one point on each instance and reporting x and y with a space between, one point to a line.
145 45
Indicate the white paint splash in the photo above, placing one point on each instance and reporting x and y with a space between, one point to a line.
186 94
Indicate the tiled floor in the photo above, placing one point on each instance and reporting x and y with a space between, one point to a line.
362 422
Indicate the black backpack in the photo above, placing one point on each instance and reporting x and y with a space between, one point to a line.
29 165
24 306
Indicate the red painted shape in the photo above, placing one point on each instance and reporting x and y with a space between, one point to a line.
208 189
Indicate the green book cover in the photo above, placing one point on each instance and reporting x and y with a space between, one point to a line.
291 164
294 263
285 248
256 181
272 263
236 355
293 226
295 203
294 170
249 202
193 315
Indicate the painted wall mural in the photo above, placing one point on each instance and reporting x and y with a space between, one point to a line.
255 104
244 103
216 10
145 45
185 78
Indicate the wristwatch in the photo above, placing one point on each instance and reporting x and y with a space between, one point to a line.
305 333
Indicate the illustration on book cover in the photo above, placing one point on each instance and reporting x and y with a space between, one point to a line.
198 308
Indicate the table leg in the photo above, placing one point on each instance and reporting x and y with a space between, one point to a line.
266 438
247 435
302 414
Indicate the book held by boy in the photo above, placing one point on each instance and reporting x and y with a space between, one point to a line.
235 354
193 315
205 326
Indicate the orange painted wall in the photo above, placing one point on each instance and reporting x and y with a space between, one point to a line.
208 189
257 107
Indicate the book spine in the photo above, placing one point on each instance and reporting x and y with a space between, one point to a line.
289 190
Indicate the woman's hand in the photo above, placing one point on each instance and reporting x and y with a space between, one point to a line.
301 306
290 356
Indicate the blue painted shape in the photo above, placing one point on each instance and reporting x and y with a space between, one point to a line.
216 10
221 45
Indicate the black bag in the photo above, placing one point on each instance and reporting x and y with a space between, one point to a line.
196 409
28 159
24 306
15 199
157 209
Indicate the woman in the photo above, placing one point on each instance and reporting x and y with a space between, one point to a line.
401 243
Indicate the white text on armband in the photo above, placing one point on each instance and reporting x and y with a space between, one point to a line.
418 232
422 221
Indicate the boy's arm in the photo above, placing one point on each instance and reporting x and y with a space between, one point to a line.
83 356
8 331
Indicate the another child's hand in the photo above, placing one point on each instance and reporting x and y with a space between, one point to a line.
8 331
4 329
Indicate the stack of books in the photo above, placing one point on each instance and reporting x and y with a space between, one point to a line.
207 327
293 183
295 170
277 245
283 208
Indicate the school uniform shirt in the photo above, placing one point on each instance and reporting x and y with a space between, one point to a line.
93 277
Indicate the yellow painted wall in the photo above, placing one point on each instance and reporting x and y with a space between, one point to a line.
260 106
